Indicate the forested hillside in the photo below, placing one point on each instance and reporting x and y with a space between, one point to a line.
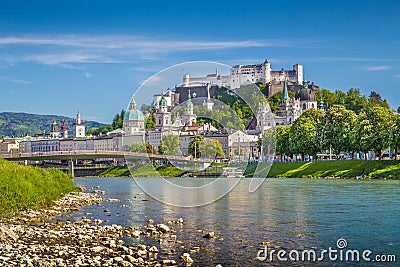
19 124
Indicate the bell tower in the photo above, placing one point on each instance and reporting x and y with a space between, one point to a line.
79 128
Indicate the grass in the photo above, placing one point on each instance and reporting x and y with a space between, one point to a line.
26 187
338 168
114 172
142 171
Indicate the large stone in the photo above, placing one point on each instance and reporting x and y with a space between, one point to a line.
118 259
163 228
209 235
96 249
187 259
125 264
168 262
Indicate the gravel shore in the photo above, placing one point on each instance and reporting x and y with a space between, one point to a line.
35 238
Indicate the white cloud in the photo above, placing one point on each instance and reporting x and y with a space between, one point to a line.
396 75
15 80
59 58
64 50
88 75
142 43
378 68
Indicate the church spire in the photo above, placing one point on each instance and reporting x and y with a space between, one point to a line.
285 93
78 117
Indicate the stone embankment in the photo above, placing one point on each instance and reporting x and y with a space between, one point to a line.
35 238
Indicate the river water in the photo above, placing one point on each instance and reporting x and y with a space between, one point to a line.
285 214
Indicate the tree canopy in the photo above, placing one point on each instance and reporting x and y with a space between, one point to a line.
169 144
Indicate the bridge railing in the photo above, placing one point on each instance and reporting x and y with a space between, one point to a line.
98 154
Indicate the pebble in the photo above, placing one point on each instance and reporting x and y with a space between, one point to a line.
186 258
163 228
34 238
209 235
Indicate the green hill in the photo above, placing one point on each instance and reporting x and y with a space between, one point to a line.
19 124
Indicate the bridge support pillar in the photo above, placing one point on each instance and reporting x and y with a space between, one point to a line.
71 171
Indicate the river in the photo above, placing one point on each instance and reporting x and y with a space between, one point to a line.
285 214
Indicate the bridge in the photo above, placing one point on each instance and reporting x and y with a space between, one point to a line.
70 156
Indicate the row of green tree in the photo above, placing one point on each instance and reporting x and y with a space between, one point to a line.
375 128
352 99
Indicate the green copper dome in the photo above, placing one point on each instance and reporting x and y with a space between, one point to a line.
163 102
321 105
133 114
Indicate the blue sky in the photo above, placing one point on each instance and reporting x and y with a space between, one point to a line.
56 56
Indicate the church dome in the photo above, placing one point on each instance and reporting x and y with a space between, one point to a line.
306 94
163 102
133 114
189 104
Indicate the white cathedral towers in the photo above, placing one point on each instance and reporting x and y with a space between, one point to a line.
164 118
79 128
189 118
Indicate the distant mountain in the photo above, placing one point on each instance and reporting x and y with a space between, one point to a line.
19 124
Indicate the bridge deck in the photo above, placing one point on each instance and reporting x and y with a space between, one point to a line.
92 154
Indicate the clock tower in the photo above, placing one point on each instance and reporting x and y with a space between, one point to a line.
79 128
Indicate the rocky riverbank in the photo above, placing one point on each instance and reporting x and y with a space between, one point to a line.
37 238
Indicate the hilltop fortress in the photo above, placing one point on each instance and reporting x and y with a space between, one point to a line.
250 74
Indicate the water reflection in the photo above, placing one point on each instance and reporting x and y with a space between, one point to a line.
290 214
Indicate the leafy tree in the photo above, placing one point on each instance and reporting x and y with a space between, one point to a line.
169 144
335 128
150 149
355 101
303 133
118 120
101 130
223 117
327 96
376 99
194 146
340 97
395 137
282 140
218 147
150 121
373 130
142 148
268 143
206 148
137 147
398 109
